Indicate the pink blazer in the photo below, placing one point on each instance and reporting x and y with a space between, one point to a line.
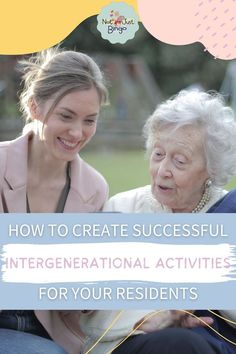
88 192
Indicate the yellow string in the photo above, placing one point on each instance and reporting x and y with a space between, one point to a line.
150 316
135 329
213 329
187 312
105 332
223 318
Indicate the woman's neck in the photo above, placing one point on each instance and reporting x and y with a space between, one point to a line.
197 208
42 164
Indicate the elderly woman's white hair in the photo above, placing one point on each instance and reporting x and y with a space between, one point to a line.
206 110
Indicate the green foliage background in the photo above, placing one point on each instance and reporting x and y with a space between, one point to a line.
172 67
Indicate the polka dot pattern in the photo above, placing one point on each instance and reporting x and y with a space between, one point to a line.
211 22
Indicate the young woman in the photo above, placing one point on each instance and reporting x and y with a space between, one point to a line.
41 171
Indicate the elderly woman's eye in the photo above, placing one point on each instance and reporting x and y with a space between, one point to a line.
158 154
180 162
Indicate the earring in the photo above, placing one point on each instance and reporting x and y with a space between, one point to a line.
208 183
205 197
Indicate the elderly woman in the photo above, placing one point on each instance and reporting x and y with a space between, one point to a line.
191 143
41 171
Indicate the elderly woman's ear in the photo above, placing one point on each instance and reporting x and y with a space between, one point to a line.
208 183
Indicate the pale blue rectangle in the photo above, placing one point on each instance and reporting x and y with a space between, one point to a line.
146 220
26 296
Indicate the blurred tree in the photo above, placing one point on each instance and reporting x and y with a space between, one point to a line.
9 81
173 67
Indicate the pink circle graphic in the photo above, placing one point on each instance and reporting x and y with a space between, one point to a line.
211 22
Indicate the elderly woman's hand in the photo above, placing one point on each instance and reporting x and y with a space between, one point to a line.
171 318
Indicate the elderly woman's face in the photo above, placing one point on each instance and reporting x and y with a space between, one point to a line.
178 168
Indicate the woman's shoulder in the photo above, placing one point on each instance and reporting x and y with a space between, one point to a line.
224 202
131 201
15 143
90 184
90 173
4 146
13 150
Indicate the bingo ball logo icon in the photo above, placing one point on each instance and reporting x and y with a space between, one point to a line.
117 22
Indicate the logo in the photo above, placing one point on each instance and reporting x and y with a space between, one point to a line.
117 22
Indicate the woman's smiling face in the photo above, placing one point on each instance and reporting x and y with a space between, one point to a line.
178 167
70 125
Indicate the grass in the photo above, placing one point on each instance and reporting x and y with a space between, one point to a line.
124 170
